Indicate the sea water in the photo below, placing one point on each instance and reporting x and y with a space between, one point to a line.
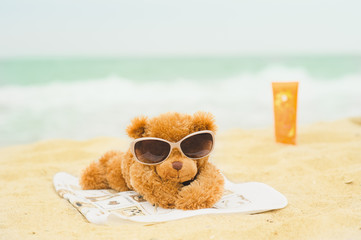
80 98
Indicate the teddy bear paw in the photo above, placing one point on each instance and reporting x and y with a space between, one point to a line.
194 197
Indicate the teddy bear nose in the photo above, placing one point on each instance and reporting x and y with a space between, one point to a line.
177 165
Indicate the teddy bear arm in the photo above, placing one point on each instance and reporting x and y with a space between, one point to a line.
114 174
93 177
160 196
153 189
204 192
210 175
105 173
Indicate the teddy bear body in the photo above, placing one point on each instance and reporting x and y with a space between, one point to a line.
178 182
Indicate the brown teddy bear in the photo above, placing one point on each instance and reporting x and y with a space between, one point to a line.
167 162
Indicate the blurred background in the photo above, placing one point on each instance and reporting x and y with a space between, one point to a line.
83 68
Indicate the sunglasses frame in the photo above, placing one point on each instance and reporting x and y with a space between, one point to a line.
172 146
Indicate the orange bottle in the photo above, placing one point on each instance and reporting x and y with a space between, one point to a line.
285 111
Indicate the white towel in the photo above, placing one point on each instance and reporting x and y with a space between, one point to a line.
108 206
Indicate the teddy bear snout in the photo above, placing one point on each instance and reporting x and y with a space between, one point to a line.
177 165
177 169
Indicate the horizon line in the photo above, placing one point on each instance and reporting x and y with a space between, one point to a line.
170 56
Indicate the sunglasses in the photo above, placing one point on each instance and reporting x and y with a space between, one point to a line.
151 151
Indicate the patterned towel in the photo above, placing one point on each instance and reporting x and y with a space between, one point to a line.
108 206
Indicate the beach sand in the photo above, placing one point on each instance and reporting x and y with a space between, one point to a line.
321 177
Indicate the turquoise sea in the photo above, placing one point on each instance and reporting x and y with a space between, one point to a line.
80 98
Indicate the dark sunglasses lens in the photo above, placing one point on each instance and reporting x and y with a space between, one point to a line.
197 146
151 151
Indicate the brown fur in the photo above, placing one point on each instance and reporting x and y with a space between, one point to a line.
161 184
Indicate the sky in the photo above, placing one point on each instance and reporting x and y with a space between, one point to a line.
188 27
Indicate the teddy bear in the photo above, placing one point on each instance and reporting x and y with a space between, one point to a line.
167 162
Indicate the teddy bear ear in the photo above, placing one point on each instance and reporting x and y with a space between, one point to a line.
203 121
137 127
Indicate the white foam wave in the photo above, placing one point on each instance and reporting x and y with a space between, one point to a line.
101 107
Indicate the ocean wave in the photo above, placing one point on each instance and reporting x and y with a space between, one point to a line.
103 107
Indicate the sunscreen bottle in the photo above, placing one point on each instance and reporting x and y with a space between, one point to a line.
285 111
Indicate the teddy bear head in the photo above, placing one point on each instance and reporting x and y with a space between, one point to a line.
173 127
